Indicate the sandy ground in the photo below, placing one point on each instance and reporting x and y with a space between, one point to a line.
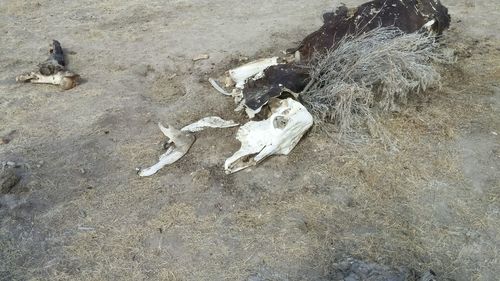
81 212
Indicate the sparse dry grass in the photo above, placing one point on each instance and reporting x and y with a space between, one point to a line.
369 73
324 202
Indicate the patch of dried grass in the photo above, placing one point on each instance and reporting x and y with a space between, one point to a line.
370 73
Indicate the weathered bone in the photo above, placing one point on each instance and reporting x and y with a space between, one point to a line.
180 141
254 69
65 79
278 134
217 87
52 71
209 122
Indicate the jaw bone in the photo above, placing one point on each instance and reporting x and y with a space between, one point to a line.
180 141
278 134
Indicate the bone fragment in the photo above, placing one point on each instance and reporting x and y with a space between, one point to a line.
217 87
209 122
201 57
180 143
241 74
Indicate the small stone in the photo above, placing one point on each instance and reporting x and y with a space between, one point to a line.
8 179
201 57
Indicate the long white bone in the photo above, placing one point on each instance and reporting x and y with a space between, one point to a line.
218 87
65 79
209 122
252 69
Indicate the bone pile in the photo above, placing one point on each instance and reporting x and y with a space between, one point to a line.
268 90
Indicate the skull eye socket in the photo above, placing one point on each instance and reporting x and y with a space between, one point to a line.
280 122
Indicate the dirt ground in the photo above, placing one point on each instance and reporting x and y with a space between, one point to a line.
81 212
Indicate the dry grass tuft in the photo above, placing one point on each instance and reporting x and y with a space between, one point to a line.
374 71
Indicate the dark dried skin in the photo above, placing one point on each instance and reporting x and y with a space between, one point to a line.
408 15
55 62
276 79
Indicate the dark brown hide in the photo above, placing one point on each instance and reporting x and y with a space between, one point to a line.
55 62
276 79
408 15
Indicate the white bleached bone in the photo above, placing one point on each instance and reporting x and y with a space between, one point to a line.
209 122
278 134
429 25
218 87
65 79
252 69
180 141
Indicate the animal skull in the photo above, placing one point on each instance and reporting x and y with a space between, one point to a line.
278 134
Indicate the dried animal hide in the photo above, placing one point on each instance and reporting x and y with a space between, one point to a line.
277 79
407 15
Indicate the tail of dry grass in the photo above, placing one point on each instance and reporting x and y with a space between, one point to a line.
372 72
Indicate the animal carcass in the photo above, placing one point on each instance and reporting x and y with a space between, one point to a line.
407 15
